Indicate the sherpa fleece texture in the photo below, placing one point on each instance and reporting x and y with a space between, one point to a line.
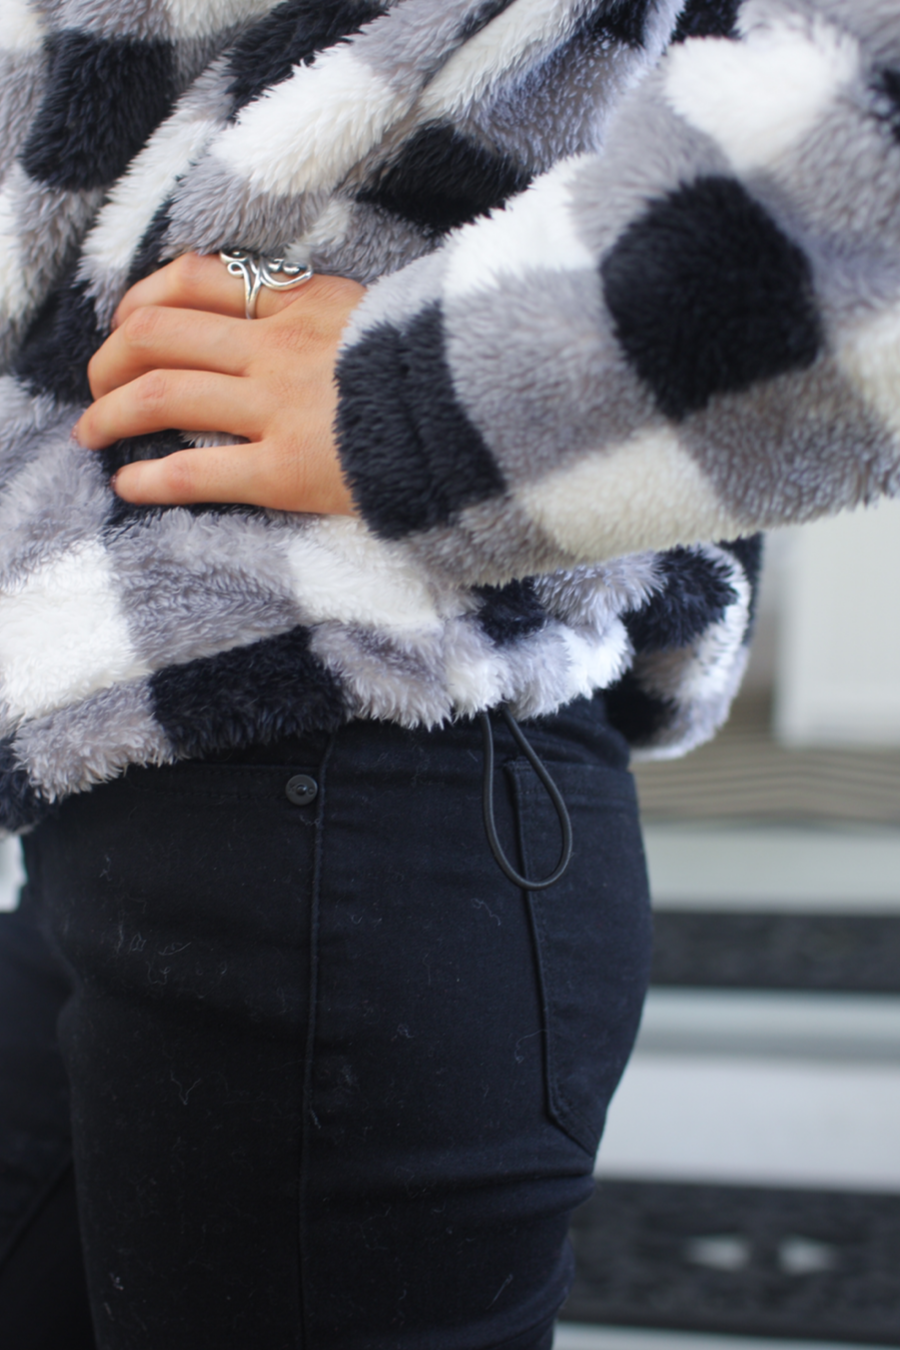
635 287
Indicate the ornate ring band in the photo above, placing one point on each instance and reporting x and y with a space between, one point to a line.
257 271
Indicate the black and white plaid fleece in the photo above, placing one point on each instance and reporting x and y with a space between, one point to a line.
634 270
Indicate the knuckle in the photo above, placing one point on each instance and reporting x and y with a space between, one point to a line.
178 475
151 391
336 290
327 287
187 272
141 327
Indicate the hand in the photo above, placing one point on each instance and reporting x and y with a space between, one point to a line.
182 355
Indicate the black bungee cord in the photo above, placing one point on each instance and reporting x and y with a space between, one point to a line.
552 791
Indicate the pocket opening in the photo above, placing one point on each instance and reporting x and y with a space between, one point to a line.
592 937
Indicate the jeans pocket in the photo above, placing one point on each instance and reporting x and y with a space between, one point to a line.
592 934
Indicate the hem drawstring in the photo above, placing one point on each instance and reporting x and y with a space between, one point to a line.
552 791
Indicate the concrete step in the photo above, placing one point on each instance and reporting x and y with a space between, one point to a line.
571 1336
755 1121
863 1028
774 868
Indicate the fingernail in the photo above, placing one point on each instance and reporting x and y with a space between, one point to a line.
73 436
114 481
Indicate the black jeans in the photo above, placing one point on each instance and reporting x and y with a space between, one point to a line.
336 1084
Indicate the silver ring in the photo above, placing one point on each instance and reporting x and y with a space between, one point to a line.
257 271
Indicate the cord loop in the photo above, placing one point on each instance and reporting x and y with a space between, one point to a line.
551 789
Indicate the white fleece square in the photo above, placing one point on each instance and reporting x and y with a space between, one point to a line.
759 97
20 30
63 636
196 18
645 493
868 353
341 572
342 107
535 231
137 196
15 292
504 43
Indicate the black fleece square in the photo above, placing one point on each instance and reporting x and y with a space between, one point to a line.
709 296
103 98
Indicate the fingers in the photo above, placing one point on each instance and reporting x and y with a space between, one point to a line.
183 355
200 400
159 338
190 282
160 335
195 281
258 475
213 473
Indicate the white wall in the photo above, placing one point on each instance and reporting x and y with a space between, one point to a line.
838 661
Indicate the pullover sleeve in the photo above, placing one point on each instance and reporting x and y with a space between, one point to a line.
693 334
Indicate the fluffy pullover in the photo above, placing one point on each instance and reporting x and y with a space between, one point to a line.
635 277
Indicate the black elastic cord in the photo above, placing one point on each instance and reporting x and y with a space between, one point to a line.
553 793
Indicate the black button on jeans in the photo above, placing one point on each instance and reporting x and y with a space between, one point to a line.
301 789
